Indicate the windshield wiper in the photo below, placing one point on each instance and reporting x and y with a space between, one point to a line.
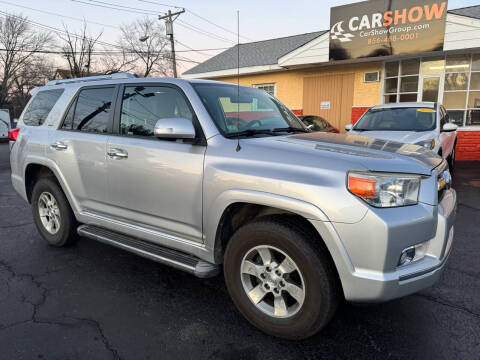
249 132
290 129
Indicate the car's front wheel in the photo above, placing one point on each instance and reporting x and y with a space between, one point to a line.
52 213
280 281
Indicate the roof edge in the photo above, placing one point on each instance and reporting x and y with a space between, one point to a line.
190 73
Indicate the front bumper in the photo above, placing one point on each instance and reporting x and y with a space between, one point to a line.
367 253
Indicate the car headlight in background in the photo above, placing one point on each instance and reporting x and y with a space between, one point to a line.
384 189
429 144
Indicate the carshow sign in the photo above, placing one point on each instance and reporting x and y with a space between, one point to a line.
386 27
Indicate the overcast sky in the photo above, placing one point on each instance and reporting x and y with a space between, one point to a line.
259 20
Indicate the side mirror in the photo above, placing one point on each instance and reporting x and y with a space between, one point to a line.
174 128
348 127
449 127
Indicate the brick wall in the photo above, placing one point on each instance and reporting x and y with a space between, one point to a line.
468 145
357 112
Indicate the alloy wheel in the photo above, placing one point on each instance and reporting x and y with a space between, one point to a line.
272 281
49 212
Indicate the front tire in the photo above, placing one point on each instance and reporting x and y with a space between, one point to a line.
281 281
52 214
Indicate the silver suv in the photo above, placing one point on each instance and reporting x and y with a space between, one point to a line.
201 175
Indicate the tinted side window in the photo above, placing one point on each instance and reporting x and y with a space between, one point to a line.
93 110
143 106
41 106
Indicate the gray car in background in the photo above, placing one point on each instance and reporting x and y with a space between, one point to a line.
204 175
425 124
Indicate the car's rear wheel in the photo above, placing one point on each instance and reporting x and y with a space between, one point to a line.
279 280
52 213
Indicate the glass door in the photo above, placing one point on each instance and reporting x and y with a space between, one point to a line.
431 88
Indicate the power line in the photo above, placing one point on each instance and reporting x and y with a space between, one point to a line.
54 29
61 15
105 3
219 26
73 35
198 51
157 3
198 16
130 9
95 53
110 26
204 32
127 9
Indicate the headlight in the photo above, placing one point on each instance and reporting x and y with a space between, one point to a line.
429 144
383 189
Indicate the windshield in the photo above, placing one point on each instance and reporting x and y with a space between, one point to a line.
246 110
397 119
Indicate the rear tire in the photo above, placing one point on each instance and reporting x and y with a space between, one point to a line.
52 213
301 313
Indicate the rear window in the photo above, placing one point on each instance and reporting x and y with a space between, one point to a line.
398 119
40 107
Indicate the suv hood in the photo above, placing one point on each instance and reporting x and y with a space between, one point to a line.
410 137
370 153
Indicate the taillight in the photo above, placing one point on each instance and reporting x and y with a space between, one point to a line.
13 134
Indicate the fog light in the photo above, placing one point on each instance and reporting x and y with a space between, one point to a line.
412 253
407 256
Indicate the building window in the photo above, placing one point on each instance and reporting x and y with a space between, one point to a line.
269 88
461 95
473 105
401 81
453 80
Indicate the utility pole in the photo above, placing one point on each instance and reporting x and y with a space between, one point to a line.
168 17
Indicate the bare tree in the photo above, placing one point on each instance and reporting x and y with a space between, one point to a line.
19 45
78 50
146 41
118 61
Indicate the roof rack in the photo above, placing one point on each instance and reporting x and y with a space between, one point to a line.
92 78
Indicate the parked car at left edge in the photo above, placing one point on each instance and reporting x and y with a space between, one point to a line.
419 123
4 124
317 123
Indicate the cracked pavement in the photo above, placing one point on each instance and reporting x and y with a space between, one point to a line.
92 301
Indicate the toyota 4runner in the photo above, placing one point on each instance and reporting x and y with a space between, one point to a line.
204 175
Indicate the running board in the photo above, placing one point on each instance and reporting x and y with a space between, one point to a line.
173 258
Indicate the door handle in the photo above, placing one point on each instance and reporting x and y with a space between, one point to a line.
117 154
58 145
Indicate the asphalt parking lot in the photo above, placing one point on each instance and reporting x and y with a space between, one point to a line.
92 301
